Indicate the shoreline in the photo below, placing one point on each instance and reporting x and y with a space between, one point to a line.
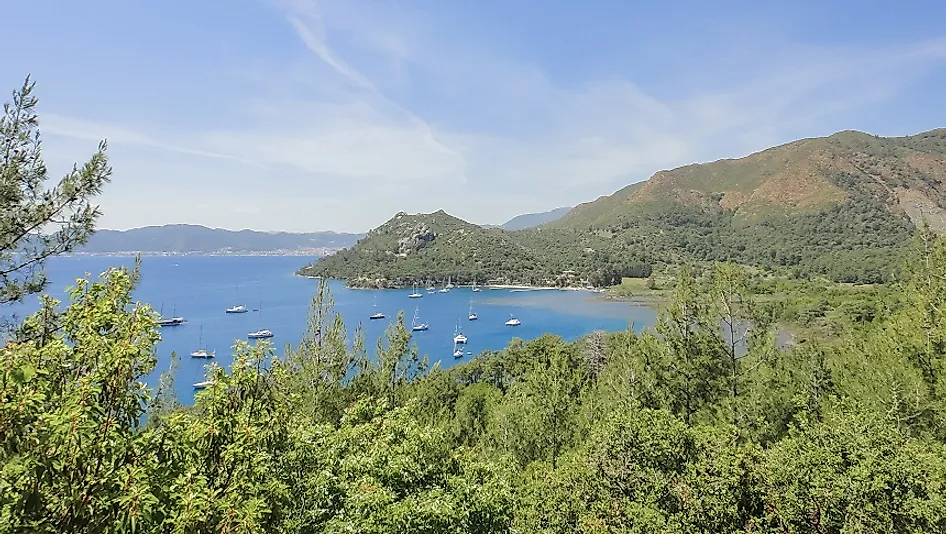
154 254
651 301
491 287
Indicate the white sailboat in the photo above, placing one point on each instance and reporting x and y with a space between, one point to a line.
475 289
417 326
473 316
415 294
444 289
513 321
376 315
239 308
201 352
457 352
458 337
449 282
203 385
260 334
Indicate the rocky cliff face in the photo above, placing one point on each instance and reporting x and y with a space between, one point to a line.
417 237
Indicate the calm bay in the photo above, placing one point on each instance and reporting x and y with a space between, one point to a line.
200 288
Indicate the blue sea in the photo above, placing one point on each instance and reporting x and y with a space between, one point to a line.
200 288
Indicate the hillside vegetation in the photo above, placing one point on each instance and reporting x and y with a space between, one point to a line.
425 248
841 207
685 429
804 176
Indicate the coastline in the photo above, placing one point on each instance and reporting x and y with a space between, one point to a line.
491 287
238 253
651 301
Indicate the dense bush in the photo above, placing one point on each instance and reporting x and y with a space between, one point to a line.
691 428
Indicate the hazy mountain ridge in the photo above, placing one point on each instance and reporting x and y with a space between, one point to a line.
186 238
531 220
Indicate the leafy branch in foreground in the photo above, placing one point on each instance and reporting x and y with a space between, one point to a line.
36 221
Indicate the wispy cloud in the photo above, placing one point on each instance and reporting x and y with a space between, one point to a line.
602 132
385 111
87 130
308 23
312 34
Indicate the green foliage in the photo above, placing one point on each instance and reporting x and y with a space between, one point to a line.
70 404
693 364
37 221
537 419
430 248
472 411
854 473
317 369
399 476
705 425
644 471
251 455
858 240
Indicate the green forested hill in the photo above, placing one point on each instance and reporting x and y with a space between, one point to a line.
424 248
842 206
805 176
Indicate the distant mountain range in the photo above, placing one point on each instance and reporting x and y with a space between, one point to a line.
194 239
842 207
531 220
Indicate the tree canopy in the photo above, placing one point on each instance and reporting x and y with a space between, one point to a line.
703 425
38 221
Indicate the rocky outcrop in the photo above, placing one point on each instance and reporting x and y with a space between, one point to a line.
415 238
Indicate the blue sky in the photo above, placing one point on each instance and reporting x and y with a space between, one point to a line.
304 115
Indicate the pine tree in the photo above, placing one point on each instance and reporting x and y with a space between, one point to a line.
37 222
